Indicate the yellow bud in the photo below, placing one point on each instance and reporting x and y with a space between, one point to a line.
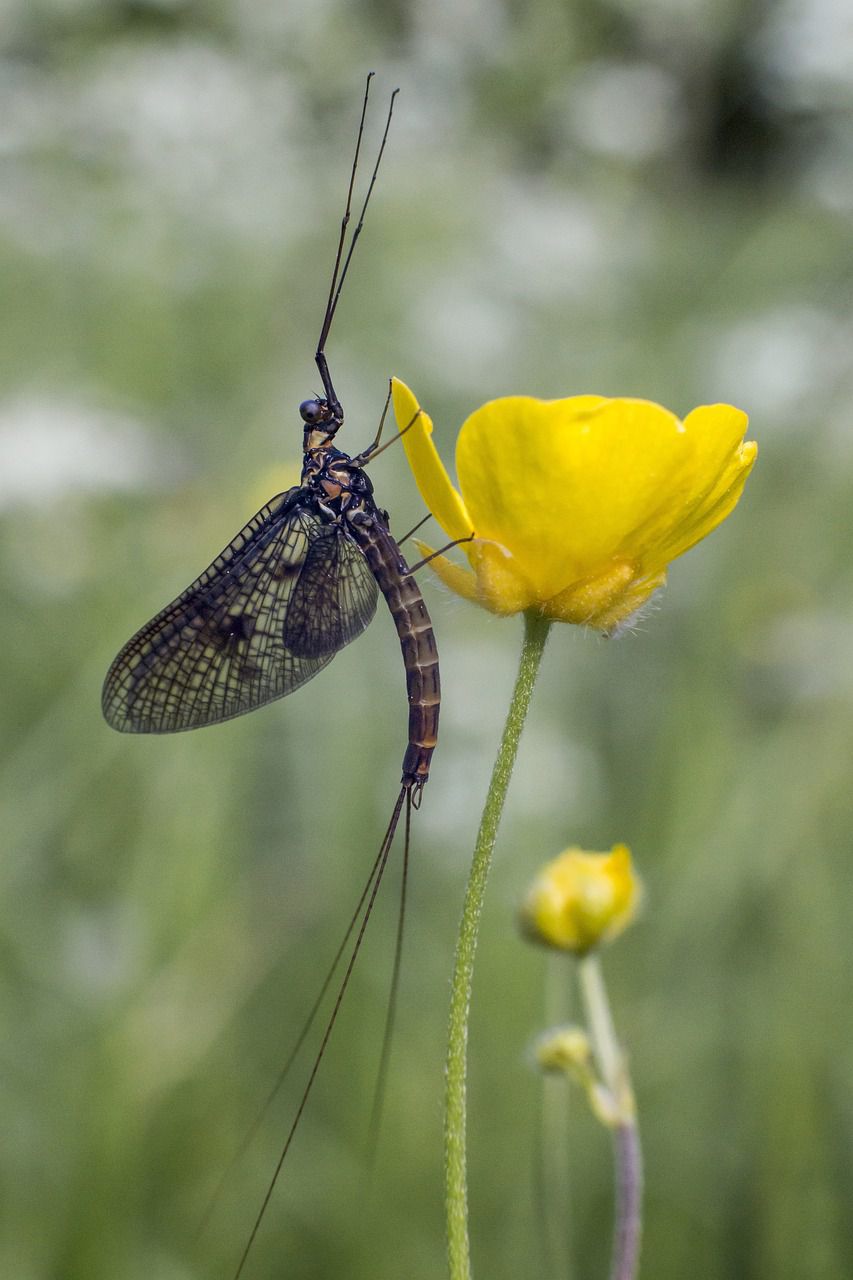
566 1050
581 899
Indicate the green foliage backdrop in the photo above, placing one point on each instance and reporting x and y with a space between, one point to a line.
652 200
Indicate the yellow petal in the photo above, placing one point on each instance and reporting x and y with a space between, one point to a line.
711 481
432 480
564 483
725 480
717 430
495 583
708 519
454 576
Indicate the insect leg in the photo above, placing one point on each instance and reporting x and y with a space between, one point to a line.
441 551
372 451
362 457
414 529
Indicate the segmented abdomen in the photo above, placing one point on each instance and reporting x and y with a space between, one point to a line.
417 641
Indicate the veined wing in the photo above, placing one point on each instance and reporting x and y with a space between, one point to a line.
218 650
333 600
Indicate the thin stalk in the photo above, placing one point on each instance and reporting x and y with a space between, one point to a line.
627 1234
554 1178
455 1162
627 1152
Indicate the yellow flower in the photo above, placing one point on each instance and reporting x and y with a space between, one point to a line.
580 899
578 505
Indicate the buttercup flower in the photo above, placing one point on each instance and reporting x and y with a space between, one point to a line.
577 505
580 899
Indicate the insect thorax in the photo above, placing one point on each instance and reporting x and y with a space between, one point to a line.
339 484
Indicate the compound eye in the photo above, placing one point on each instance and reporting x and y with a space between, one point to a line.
312 411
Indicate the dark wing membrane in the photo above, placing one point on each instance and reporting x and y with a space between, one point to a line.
334 599
218 650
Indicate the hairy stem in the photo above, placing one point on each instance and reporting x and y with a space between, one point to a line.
455 1165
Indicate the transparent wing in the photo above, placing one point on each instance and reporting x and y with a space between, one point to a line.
218 650
334 598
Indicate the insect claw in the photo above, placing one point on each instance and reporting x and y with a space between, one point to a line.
416 790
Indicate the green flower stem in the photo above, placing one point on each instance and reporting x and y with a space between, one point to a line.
456 1190
627 1153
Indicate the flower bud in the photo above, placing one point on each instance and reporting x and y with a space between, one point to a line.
581 899
567 1051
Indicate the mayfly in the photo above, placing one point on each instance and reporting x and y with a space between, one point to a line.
296 585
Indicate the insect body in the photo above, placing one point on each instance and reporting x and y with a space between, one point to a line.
299 582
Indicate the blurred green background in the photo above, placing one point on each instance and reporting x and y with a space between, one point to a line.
652 200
